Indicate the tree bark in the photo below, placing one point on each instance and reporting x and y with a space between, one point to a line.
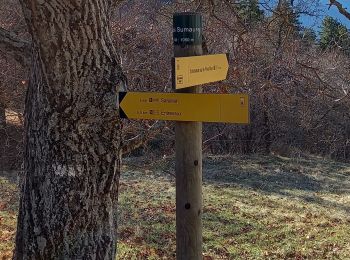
72 134
2 116
2 132
266 125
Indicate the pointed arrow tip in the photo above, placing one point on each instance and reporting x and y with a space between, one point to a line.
121 96
121 111
227 59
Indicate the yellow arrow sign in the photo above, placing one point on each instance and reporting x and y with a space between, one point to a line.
197 70
228 108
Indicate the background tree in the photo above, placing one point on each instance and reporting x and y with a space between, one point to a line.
249 11
14 60
340 8
334 35
308 35
285 20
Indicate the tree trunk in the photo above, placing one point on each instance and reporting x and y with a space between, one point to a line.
266 125
2 133
2 116
72 134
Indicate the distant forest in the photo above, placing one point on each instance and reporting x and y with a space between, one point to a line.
298 81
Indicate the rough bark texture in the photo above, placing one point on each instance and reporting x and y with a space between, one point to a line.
2 131
2 116
72 134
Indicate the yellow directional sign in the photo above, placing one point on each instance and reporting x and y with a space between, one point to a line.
197 70
228 108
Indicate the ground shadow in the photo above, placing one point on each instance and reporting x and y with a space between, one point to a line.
273 174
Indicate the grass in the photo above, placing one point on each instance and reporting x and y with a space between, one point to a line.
256 207
8 214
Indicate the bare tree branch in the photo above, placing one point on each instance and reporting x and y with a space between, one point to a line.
340 7
137 142
141 139
12 46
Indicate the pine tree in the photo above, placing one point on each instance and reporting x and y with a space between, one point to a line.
334 35
308 35
250 12
287 18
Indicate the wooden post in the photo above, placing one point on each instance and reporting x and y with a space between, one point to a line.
188 137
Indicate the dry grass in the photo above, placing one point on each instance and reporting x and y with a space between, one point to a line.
8 213
254 208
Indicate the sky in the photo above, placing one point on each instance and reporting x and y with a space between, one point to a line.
315 23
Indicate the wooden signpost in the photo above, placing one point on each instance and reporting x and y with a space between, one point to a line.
197 70
224 108
189 107
187 38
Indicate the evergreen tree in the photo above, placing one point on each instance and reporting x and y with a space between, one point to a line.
250 12
334 35
308 35
284 23
287 18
